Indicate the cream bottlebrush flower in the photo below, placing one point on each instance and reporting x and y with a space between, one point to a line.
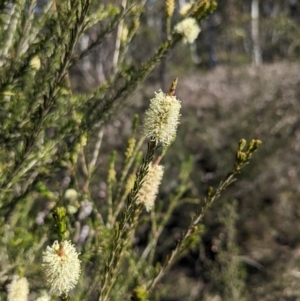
18 290
185 8
162 118
189 29
149 190
71 195
61 266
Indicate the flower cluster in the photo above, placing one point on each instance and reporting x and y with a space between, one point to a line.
149 190
162 118
61 266
189 29
18 290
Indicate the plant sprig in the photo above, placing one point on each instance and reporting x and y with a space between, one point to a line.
242 158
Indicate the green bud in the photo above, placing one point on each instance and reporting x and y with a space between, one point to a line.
241 157
203 8
194 229
135 123
210 191
139 294
130 148
169 8
254 144
242 144
111 170
41 187
60 217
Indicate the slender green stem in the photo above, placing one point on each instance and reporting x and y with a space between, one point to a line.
242 158
125 227
120 184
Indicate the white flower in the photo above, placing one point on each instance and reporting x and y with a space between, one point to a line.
61 266
185 8
18 290
71 194
162 118
189 29
72 209
149 190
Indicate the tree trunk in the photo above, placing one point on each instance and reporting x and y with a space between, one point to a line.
256 51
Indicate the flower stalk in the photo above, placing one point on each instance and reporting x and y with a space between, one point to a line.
211 196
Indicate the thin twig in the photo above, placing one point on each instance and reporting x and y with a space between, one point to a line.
242 159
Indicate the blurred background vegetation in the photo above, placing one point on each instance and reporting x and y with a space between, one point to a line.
240 79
